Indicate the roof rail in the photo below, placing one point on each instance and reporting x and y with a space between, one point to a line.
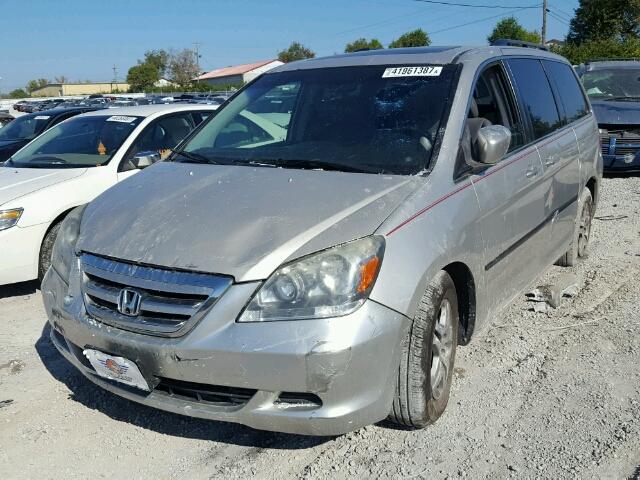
506 42
613 59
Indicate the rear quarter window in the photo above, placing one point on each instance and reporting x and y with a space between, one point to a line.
566 83
536 97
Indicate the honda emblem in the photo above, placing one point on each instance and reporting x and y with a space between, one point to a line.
129 302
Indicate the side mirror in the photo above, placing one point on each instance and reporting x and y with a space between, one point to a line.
145 159
492 143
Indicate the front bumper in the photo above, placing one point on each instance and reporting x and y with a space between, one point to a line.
621 163
349 363
20 249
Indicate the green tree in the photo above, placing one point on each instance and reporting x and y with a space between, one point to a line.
18 93
36 84
159 59
605 19
295 51
415 38
510 28
608 48
363 44
142 77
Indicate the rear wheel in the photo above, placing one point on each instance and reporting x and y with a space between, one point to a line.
582 231
46 249
428 354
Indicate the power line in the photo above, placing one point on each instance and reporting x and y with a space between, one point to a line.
558 18
468 5
381 22
504 14
559 10
561 15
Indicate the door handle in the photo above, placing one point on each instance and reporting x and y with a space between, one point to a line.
532 172
550 162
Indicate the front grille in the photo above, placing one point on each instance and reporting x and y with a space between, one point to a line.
199 392
619 142
171 301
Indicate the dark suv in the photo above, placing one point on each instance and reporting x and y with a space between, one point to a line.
27 127
613 87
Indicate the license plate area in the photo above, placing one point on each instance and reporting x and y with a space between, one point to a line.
116 368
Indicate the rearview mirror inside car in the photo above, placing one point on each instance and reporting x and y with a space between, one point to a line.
145 159
492 143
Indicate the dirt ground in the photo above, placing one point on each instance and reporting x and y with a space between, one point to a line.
536 395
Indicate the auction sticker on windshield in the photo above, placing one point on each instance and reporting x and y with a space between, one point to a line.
121 118
116 368
412 72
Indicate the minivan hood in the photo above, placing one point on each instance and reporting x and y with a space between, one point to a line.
18 182
616 113
235 220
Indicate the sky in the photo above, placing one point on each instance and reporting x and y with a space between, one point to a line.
84 39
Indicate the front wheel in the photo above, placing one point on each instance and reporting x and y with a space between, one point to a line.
581 233
428 353
46 249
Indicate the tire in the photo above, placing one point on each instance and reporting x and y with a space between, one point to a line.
45 250
421 397
582 232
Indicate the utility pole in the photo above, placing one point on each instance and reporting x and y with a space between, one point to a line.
544 21
197 45
115 74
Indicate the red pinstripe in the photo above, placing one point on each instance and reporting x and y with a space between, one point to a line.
468 184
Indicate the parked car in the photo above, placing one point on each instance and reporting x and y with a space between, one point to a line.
5 118
122 103
27 127
18 106
321 280
47 105
30 107
69 165
614 90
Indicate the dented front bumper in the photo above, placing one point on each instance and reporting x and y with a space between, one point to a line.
348 363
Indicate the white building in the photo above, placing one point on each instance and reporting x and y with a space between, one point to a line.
238 74
163 82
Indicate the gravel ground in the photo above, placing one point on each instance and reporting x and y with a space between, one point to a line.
536 395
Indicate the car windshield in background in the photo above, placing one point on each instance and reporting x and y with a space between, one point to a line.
79 142
373 119
613 83
24 128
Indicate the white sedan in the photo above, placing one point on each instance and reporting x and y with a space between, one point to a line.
71 164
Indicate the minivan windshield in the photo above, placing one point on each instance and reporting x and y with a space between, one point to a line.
372 119
83 141
613 83
26 127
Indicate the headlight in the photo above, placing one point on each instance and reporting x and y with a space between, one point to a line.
330 283
64 249
8 218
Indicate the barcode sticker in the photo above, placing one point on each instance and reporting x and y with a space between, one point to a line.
121 118
412 72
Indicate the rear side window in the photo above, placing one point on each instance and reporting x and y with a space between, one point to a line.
536 95
575 105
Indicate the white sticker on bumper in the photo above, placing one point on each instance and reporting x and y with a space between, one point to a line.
116 368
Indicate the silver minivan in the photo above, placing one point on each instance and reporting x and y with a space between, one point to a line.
310 257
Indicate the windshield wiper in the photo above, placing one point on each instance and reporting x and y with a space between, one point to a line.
623 98
318 165
52 165
193 157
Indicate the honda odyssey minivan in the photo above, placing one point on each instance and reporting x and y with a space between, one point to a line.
312 255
